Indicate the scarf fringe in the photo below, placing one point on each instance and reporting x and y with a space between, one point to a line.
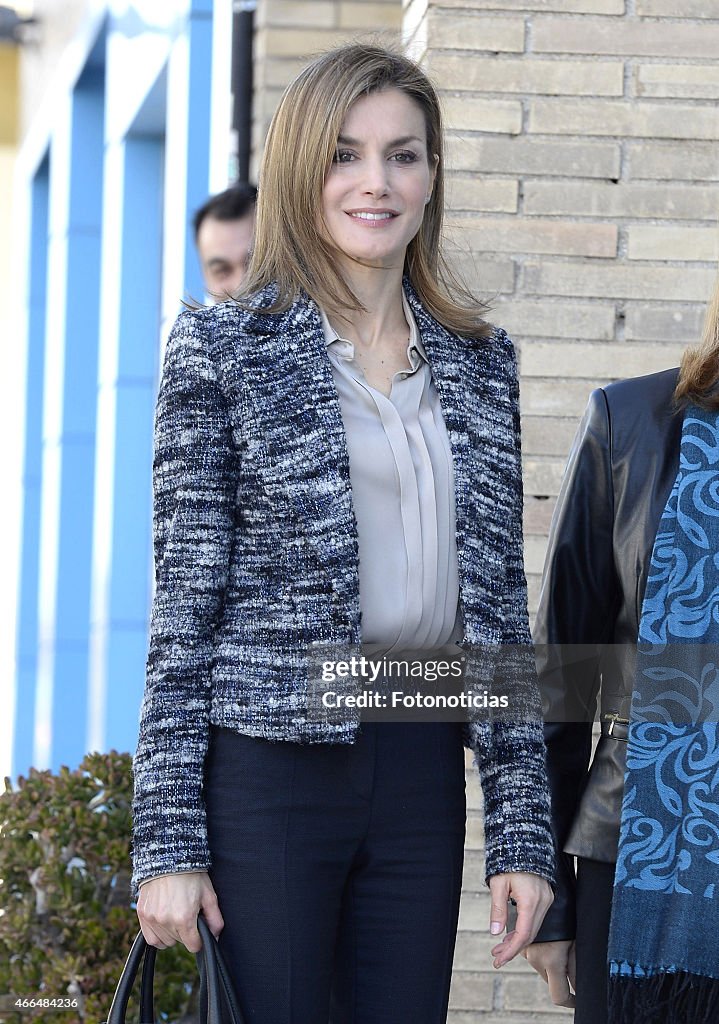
677 998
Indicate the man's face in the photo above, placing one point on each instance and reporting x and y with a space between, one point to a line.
224 250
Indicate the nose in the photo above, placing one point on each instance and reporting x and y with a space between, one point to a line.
376 179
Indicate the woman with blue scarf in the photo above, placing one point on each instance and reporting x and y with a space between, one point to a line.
628 624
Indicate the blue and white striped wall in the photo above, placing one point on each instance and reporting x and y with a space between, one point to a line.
132 138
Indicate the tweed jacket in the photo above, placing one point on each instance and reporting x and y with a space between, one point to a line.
256 557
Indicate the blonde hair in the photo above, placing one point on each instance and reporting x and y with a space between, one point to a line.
289 250
699 372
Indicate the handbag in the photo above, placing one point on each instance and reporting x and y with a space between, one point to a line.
218 1002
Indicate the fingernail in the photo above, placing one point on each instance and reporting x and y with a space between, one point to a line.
495 928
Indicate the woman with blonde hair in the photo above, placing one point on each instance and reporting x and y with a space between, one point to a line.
632 575
336 461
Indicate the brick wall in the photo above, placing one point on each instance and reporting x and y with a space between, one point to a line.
584 165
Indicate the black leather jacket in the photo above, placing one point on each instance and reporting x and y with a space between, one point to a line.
620 472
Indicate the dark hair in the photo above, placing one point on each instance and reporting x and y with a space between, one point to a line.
232 204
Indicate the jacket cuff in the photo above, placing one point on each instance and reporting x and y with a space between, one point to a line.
517 830
169 827
154 864
521 847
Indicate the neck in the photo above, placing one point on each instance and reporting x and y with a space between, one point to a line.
379 289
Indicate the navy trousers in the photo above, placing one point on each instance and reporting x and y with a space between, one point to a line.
338 869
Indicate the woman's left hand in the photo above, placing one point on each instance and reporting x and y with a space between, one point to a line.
533 896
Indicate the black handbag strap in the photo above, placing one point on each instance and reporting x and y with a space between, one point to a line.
230 998
147 994
217 997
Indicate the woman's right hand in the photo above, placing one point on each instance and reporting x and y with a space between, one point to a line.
168 906
556 963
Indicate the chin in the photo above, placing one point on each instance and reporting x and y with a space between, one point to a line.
381 260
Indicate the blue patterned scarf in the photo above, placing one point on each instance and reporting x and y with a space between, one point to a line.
664 934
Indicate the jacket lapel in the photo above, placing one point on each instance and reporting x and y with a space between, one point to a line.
444 352
464 389
298 407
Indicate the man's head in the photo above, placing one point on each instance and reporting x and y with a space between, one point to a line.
224 227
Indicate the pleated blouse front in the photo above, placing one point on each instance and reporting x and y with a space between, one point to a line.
402 481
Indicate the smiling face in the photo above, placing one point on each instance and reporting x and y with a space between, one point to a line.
377 187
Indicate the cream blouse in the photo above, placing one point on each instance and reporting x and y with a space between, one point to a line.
402 480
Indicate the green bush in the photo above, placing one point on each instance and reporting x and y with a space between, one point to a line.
66 917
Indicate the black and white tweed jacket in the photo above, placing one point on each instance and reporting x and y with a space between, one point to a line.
256 556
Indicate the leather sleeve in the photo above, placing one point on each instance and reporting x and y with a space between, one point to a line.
577 608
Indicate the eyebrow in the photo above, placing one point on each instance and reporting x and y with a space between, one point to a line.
345 140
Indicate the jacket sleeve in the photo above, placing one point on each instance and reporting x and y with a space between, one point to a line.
577 609
194 480
509 755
